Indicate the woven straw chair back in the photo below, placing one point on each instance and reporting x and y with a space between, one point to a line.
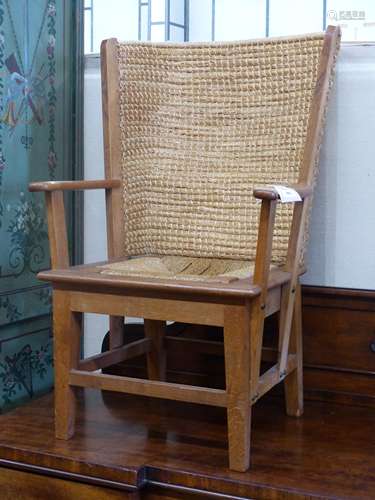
201 125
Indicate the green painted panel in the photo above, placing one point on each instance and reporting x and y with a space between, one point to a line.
26 367
36 143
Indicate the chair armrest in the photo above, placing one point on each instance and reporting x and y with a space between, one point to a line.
49 186
269 193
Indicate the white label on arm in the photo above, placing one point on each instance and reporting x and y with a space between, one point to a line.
287 194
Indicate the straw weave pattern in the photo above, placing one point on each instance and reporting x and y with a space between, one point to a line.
201 126
181 268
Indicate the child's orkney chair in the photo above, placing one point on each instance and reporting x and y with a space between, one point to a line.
194 134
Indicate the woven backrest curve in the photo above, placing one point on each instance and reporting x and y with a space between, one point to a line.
201 125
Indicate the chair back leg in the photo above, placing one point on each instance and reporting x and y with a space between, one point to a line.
294 381
116 332
156 358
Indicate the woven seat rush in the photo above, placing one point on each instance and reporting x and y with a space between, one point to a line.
182 268
197 136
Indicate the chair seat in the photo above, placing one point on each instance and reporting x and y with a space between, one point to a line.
90 277
181 268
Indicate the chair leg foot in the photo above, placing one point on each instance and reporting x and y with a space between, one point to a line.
239 429
157 357
294 394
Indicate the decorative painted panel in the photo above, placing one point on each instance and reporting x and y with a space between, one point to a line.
36 143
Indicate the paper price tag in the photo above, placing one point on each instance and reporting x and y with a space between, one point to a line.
287 194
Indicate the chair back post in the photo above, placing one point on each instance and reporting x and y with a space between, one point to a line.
112 162
315 128
112 146
307 177
319 104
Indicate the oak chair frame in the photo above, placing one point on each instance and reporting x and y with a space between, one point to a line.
241 310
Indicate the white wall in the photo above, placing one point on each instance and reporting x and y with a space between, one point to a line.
342 249
289 17
245 19
115 18
200 26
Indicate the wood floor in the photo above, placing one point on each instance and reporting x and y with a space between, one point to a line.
155 449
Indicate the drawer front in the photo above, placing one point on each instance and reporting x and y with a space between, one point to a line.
16 484
340 338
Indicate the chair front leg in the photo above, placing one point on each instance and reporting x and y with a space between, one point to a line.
157 357
67 338
294 381
237 373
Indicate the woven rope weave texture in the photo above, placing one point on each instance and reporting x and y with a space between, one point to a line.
201 125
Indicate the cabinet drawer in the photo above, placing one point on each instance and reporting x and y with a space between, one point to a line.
16 484
338 337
